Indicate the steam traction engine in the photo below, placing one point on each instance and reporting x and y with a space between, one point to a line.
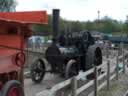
74 52
68 53
15 28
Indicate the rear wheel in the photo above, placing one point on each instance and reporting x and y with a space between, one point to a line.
93 58
37 71
12 88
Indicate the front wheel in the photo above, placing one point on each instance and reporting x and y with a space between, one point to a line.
12 88
37 71
71 69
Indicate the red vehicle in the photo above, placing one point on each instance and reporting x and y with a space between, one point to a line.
15 28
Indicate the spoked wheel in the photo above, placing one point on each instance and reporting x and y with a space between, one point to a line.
37 71
12 88
71 69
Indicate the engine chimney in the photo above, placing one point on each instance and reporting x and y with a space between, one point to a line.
55 23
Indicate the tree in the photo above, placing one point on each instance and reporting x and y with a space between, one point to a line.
89 25
7 5
108 25
125 27
43 29
62 26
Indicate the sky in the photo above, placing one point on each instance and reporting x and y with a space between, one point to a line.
82 10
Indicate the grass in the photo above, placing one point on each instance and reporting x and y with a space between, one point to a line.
117 88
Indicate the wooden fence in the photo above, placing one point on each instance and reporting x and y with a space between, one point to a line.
73 82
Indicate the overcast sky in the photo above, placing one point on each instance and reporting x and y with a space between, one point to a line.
82 10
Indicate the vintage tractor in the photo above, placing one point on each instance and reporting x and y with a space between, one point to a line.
68 54
15 28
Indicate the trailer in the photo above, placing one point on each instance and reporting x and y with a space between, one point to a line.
15 29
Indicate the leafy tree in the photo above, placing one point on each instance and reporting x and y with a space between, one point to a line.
106 25
7 5
89 25
125 27
76 26
43 29
63 26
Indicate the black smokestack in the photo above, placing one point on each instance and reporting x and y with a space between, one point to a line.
55 23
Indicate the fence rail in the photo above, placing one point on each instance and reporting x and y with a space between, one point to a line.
111 73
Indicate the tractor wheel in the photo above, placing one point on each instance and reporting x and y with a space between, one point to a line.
93 57
71 69
37 71
12 88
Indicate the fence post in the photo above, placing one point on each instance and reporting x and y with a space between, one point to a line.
32 46
74 86
95 81
107 53
120 48
123 58
117 65
108 74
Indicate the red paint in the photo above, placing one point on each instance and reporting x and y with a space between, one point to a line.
14 91
38 17
14 31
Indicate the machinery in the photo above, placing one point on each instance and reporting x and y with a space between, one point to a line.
15 28
74 52
68 53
